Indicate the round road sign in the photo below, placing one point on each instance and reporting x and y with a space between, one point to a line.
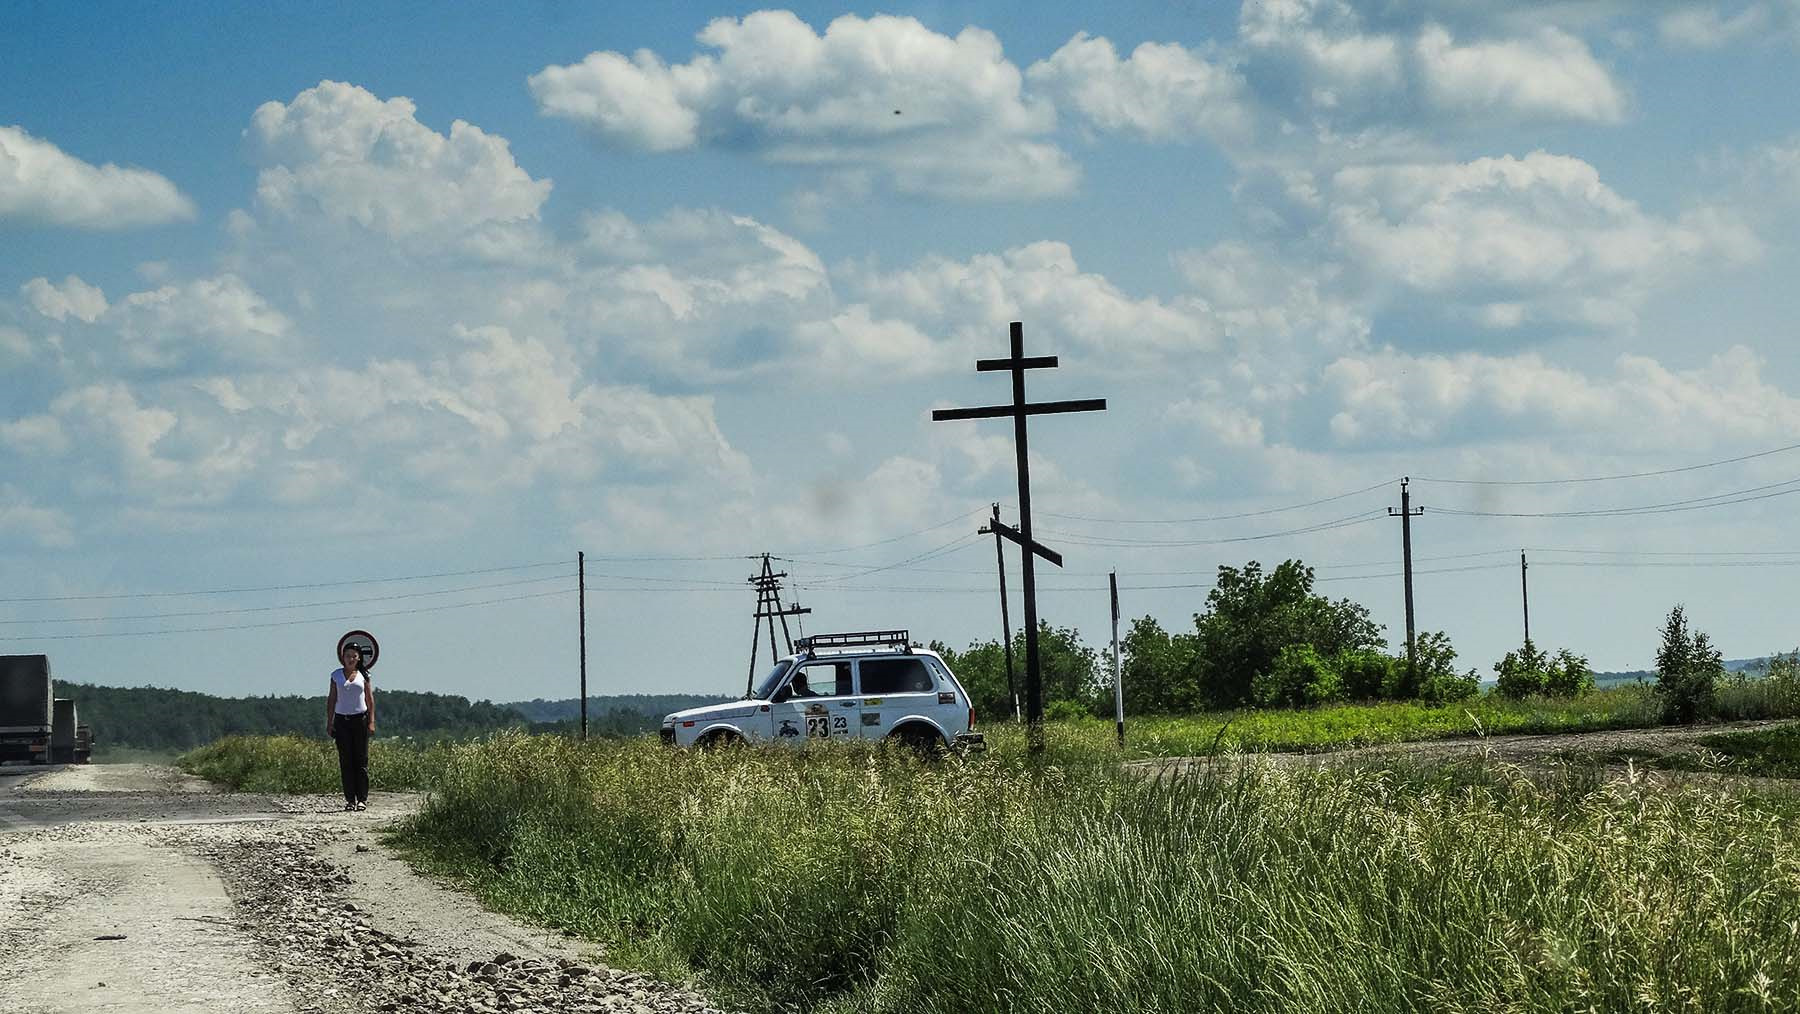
366 645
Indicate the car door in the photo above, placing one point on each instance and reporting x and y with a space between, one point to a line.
818 702
895 688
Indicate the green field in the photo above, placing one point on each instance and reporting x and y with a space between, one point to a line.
844 880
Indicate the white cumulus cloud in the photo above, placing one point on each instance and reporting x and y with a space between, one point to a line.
931 113
1161 91
1512 240
73 298
42 184
1549 75
340 152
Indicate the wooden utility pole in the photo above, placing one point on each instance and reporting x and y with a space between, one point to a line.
1406 513
1016 364
581 580
1112 579
1525 596
1005 619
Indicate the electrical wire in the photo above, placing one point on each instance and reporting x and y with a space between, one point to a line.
1669 507
1610 478
292 605
280 587
1081 539
285 623
961 542
789 554
1221 517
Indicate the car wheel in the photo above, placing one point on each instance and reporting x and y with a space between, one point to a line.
922 741
719 739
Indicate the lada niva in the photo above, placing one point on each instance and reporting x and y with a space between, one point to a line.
868 685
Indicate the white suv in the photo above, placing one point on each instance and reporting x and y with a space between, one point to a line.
869 685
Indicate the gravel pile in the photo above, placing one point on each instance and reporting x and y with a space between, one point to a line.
336 960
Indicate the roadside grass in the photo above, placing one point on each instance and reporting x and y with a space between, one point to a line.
852 880
298 764
1349 725
1768 753
856 879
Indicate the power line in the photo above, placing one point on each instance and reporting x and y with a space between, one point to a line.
1343 522
960 542
1611 478
1222 517
291 605
280 587
964 516
286 623
1669 507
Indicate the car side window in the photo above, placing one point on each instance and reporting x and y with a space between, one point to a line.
906 675
821 679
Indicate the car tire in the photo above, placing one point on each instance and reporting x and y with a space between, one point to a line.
719 739
924 742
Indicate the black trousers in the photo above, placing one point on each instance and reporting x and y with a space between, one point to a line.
352 735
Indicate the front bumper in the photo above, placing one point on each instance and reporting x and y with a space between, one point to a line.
668 735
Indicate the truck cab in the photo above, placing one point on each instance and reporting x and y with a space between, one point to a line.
867 685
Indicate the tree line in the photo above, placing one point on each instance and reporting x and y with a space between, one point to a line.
153 718
1265 639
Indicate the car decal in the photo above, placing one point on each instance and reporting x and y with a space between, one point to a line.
872 701
871 718
787 729
946 698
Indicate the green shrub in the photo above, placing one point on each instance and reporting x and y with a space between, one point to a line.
1066 710
1523 673
1299 677
1688 671
1365 673
1568 676
1438 682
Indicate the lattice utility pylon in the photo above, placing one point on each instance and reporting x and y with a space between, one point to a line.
769 607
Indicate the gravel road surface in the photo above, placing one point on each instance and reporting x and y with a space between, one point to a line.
136 888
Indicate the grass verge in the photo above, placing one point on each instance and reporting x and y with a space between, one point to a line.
845 880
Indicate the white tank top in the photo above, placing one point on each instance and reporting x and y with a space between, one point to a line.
350 692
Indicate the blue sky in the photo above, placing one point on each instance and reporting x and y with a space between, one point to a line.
318 318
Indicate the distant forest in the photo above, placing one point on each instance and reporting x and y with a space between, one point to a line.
150 718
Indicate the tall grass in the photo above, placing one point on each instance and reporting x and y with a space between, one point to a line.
298 764
849 880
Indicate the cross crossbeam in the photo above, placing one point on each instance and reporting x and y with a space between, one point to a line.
1004 411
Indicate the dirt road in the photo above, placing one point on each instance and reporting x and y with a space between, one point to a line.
135 888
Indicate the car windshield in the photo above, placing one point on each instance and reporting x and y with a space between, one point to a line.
771 681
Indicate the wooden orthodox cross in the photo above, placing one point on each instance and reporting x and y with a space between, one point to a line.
1029 549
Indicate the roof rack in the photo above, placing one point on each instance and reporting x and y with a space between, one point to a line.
856 639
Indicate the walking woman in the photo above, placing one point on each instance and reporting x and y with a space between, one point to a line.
350 719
